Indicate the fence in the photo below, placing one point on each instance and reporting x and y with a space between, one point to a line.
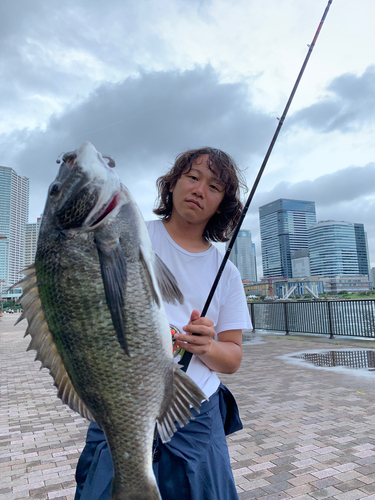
330 317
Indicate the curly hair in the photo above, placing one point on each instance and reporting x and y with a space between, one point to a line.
221 225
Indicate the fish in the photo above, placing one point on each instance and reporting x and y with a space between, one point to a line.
93 300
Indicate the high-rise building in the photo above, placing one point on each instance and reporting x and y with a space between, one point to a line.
300 263
362 249
31 240
283 229
243 256
372 276
338 248
14 214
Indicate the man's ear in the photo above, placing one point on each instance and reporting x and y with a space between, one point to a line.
172 186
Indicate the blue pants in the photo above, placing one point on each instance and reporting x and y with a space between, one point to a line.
193 465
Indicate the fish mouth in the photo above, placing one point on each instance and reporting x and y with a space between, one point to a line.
107 210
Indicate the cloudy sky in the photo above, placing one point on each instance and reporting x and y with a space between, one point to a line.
144 80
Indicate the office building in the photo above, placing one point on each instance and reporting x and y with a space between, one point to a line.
300 263
31 240
372 276
14 213
243 256
338 248
362 249
283 229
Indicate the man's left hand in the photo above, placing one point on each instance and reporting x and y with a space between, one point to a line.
199 336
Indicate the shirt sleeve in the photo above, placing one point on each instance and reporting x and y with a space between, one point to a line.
234 311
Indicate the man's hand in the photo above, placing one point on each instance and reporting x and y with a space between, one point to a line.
222 355
199 336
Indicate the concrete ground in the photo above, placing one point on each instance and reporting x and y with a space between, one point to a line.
308 433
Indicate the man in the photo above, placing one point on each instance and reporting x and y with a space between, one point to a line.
198 203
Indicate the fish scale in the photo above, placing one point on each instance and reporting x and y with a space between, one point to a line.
94 305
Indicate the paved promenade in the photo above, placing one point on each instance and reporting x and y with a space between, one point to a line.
308 433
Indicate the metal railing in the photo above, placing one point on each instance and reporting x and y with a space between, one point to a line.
328 317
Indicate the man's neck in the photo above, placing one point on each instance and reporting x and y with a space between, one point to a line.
187 236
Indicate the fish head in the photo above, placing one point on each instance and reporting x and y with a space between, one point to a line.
85 191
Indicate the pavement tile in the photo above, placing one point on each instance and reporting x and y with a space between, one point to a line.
300 490
325 493
321 474
300 480
281 495
253 485
277 478
350 495
347 476
350 485
347 467
367 488
367 479
308 434
276 487
324 483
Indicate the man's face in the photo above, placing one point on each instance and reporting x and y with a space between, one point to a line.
197 193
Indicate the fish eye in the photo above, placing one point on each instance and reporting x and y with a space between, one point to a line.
55 189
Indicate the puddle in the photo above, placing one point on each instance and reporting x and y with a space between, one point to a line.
348 359
356 362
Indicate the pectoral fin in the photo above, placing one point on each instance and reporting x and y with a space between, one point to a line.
167 283
113 268
165 280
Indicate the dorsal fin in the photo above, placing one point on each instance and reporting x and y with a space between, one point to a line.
42 342
185 394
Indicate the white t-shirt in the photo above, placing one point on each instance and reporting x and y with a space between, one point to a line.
195 274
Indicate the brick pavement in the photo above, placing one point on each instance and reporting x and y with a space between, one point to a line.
308 433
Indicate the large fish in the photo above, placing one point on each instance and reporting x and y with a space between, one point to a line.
94 305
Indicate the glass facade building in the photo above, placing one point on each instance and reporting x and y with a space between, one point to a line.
338 248
31 240
14 214
362 249
243 256
283 229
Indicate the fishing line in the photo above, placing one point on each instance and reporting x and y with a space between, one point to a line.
187 356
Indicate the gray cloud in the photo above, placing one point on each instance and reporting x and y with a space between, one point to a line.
52 53
344 186
349 106
144 122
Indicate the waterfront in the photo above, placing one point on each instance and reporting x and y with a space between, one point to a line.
309 433
326 317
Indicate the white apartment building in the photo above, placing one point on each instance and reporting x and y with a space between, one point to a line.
243 256
31 240
14 214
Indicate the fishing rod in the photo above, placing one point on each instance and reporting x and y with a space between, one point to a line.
263 166
187 356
